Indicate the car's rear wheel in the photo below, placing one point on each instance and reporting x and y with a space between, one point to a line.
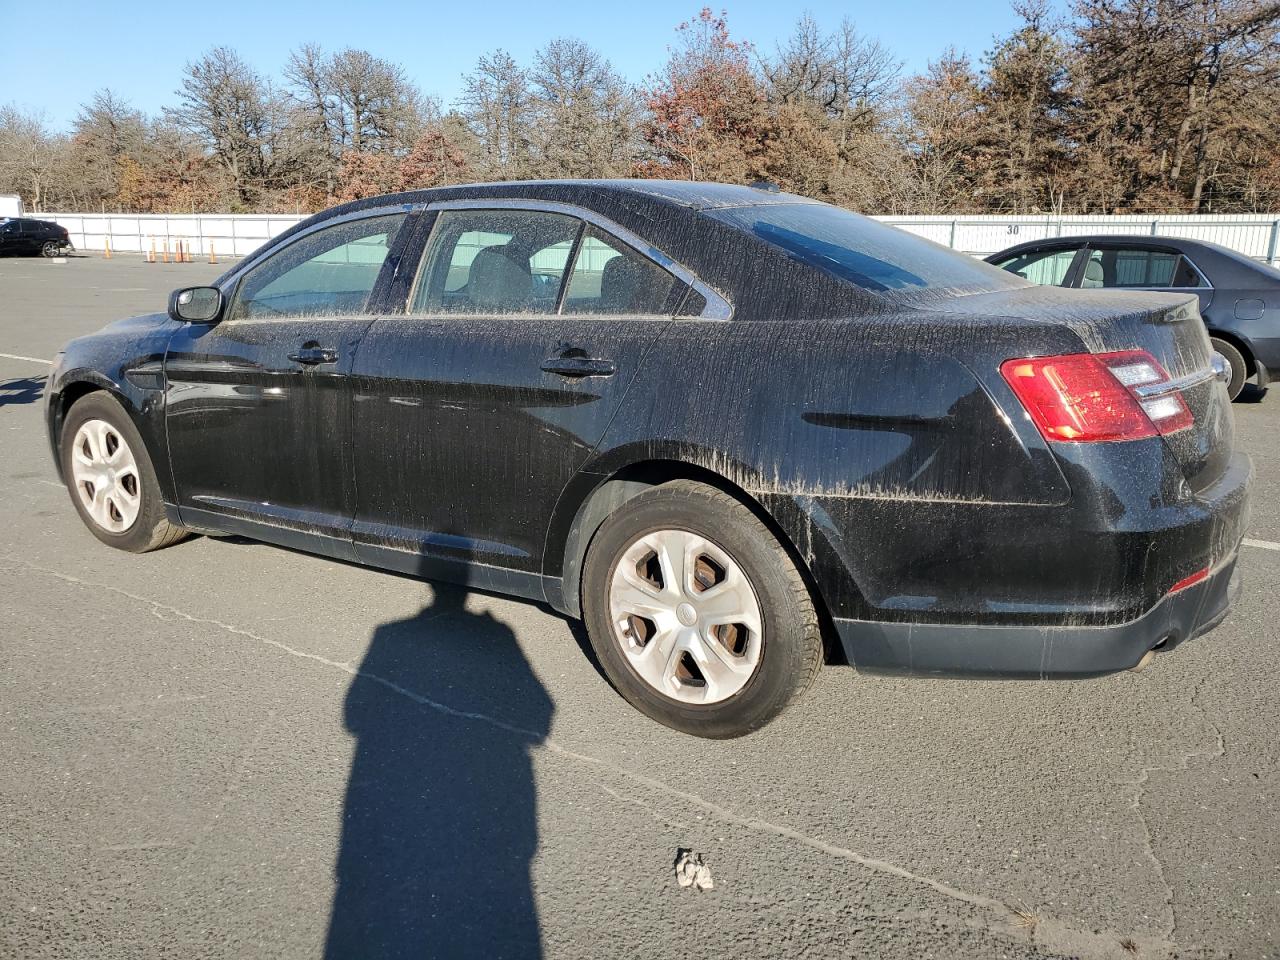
50 248
1235 360
697 614
111 479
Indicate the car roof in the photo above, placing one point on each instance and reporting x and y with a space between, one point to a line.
1138 239
695 195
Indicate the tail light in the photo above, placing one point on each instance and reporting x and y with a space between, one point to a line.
1090 397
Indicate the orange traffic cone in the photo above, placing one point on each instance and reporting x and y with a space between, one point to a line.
107 253
213 257
151 254
165 255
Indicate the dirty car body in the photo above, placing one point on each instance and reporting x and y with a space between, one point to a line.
849 383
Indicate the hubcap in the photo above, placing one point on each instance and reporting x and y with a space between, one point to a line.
105 475
686 616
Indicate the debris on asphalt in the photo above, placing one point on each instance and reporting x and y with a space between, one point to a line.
692 870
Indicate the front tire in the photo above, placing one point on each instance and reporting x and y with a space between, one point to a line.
699 617
109 475
1235 360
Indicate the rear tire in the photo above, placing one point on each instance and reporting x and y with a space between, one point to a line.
697 614
50 249
1235 359
110 478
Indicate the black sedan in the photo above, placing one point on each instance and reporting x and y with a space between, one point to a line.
1239 297
24 235
720 424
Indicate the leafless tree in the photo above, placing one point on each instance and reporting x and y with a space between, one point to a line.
31 158
238 115
584 115
499 108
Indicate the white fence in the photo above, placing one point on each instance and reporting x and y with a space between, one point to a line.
1256 235
223 234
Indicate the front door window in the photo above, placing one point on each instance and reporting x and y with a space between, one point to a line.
330 272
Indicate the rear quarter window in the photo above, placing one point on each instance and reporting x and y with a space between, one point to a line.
871 255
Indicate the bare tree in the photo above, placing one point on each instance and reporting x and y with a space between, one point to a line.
843 74
940 132
31 158
106 132
1168 89
499 109
239 117
1024 146
843 83
585 115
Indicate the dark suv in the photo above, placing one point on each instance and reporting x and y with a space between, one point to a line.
24 235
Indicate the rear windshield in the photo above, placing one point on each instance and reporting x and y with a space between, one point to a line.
865 252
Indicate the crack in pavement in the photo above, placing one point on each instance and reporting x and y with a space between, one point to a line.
1049 931
1140 790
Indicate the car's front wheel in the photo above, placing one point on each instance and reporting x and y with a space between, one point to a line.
697 613
112 482
1235 361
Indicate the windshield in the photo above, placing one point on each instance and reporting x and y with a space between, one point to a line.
862 251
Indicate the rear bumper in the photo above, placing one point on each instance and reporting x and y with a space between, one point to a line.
1040 652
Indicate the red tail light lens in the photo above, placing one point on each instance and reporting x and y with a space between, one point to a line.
1090 397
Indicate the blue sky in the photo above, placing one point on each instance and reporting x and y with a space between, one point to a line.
53 63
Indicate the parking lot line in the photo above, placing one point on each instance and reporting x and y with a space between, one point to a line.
15 356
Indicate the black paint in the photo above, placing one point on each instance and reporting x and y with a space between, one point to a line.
870 429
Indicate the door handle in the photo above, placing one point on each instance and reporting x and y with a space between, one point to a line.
579 366
311 355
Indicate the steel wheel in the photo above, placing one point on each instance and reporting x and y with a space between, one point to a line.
687 618
105 475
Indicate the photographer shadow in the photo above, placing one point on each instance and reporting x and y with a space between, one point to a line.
440 820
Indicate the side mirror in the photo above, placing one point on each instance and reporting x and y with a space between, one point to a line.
196 305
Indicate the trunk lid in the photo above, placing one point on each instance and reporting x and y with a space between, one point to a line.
1168 326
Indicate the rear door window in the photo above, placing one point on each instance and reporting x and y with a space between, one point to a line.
1045 267
611 279
495 262
1138 268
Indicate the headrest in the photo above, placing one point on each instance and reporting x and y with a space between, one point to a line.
621 284
1093 275
499 280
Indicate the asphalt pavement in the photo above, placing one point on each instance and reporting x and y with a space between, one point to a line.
227 749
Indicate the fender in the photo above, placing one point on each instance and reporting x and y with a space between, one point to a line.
134 376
